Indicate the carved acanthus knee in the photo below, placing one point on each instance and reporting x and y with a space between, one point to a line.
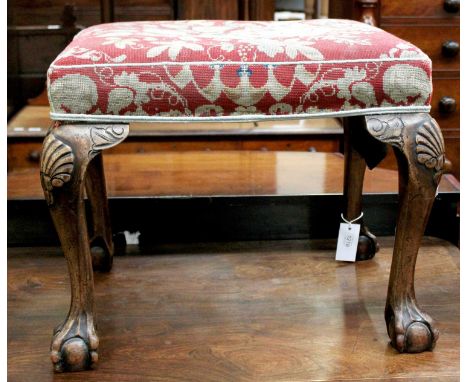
57 163
67 150
430 148
417 136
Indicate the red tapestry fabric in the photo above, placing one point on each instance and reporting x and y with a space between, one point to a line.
235 70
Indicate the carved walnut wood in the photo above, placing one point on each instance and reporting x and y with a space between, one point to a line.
101 244
419 147
56 165
71 157
354 169
68 150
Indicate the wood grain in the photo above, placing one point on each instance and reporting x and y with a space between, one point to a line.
449 122
261 10
426 24
87 12
68 151
416 9
419 148
251 311
34 121
353 181
207 9
222 173
27 129
417 35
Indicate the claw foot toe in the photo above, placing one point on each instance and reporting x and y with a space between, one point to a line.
101 255
74 355
367 245
75 344
412 336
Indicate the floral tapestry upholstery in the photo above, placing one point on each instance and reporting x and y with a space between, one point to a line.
236 70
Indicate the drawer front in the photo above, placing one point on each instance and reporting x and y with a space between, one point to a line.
447 117
299 143
452 153
27 154
448 120
419 8
21 155
432 46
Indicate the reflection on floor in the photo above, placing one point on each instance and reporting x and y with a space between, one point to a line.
251 311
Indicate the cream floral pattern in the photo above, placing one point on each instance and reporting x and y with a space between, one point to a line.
78 93
247 40
222 69
404 81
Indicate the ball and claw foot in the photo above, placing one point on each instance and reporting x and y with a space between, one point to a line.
102 261
101 255
367 245
74 351
411 331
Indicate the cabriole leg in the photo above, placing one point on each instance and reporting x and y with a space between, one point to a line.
419 147
67 152
354 170
102 247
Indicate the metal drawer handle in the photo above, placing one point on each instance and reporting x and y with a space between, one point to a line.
452 6
447 105
450 48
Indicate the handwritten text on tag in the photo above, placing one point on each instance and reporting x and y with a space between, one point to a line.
348 238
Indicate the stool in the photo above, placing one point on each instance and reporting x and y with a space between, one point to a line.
212 71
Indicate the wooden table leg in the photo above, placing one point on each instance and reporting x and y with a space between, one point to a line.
102 247
419 147
67 152
354 170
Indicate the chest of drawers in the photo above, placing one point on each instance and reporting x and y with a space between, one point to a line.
433 26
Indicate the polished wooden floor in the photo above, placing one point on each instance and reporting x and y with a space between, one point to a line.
252 311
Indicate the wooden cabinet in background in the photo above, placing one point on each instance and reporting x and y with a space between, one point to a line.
433 26
38 30
27 129
225 10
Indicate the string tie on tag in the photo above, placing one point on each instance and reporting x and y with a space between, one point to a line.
352 221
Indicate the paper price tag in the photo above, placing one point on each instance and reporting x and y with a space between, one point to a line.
348 238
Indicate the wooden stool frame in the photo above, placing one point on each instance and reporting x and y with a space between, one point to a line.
71 164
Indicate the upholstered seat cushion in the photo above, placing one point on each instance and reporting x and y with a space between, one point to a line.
230 70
